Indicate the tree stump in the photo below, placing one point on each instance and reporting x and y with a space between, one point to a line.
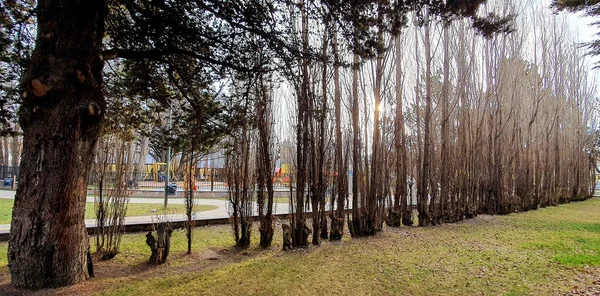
160 245
337 227
287 237
266 231
394 218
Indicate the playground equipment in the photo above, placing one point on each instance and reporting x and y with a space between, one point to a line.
186 177
205 173
154 169
282 175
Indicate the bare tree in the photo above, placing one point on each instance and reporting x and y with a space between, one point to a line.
113 195
264 164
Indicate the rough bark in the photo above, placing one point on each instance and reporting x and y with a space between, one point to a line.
161 244
60 116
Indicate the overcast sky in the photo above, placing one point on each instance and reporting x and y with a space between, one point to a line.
581 25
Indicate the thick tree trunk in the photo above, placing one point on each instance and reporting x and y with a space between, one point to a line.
60 117
161 244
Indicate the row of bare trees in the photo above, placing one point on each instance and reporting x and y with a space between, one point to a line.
440 125
441 122
489 126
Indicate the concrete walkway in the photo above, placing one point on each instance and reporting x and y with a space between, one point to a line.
221 212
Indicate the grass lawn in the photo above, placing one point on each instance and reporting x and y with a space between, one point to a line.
541 252
133 209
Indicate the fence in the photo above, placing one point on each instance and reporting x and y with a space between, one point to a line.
8 172
214 180
156 182
8 175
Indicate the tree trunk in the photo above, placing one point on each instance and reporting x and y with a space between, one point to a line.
373 218
337 217
419 149
399 213
161 244
60 117
141 163
15 148
264 165
354 227
189 193
444 170
299 232
129 169
424 215
3 164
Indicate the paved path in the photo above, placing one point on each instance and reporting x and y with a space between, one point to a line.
220 212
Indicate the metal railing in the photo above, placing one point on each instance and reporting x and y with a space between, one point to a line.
8 176
155 182
215 181
8 172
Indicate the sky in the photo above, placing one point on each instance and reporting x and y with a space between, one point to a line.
581 26
578 26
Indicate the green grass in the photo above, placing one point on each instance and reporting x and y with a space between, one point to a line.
572 240
139 209
134 250
6 206
133 209
539 252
